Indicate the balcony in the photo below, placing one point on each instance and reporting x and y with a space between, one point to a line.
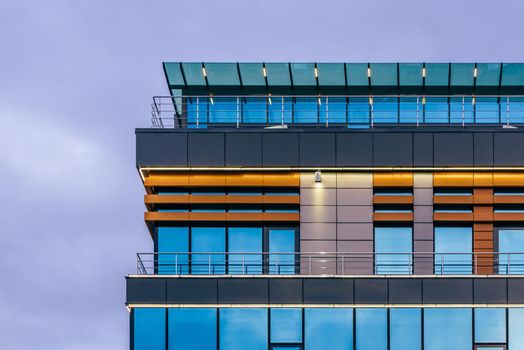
342 111
383 264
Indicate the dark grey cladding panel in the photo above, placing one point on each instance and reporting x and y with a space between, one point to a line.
516 290
285 291
423 149
393 149
243 149
490 290
405 291
453 149
243 291
447 291
354 149
161 149
206 149
371 291
509 148
483 149
328 291
192 291
317 149
145 291
280 149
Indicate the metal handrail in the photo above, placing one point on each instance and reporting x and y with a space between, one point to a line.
336 263
196 111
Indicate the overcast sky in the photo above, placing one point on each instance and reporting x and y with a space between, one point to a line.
76 78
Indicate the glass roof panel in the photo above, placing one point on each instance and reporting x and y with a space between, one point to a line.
331 74
193 73
174 75
222 74
410 74
303 74
383 74
437 74
252 74
488 74
462 74
513 74
278 74
357 74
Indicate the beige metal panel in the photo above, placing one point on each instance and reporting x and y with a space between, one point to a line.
355 196
318 213
318 230
423 196
355 213
355 231
423 213
318 196
355 264
423 231
316 246
422 180
307 179
355 180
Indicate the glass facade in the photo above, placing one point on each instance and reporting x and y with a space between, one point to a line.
393 246
511 251
405 328
453 248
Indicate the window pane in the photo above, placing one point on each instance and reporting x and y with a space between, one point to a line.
515 327
223 110
329 329
149 328
396 240
175 241
436 110
281 241
447 329
242 329
487 110
306 110
511 242
208 245
254 110
245 240
192 329
410 109
385 109
333 110
372 329
286 325
405 329
490 325
358 110
280 110
449 242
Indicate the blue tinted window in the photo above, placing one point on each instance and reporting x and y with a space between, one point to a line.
449 242
358 110
372 329
286 325
149 329
192 329
511 243
246 240
447 329
197 108
254 110
436 110
328 328
281 241
208 245
172 246
280 110
410 110
405 329
242 329
490 325
385 109
333 110
224 110
487 110
395 240
515 327
461 110
306 110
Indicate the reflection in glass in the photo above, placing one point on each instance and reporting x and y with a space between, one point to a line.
487 110
280 110
192 329
405 329
490 325
224 110
410 110
208 245
254 110
242 329
358 110
328 328
196 109
449 243
173 240
385 110
286 325
511 243
333 110
281 241
436 110
515 327
306 110
149 328
372 329
461 110
395 240
447 329
245 240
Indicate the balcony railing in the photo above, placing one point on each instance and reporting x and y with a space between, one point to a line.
336 111
330 263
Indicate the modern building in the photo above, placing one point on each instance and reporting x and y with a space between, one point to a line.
316 206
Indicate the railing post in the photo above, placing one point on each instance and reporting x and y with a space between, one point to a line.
197 110
238 112
475 262
507 110
309 263
372 111
418 107
282 110
463 112
343 270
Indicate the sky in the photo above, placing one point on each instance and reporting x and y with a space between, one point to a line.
77 77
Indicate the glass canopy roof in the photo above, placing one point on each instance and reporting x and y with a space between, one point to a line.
344 78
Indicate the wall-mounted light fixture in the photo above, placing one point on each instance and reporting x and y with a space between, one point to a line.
318 176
